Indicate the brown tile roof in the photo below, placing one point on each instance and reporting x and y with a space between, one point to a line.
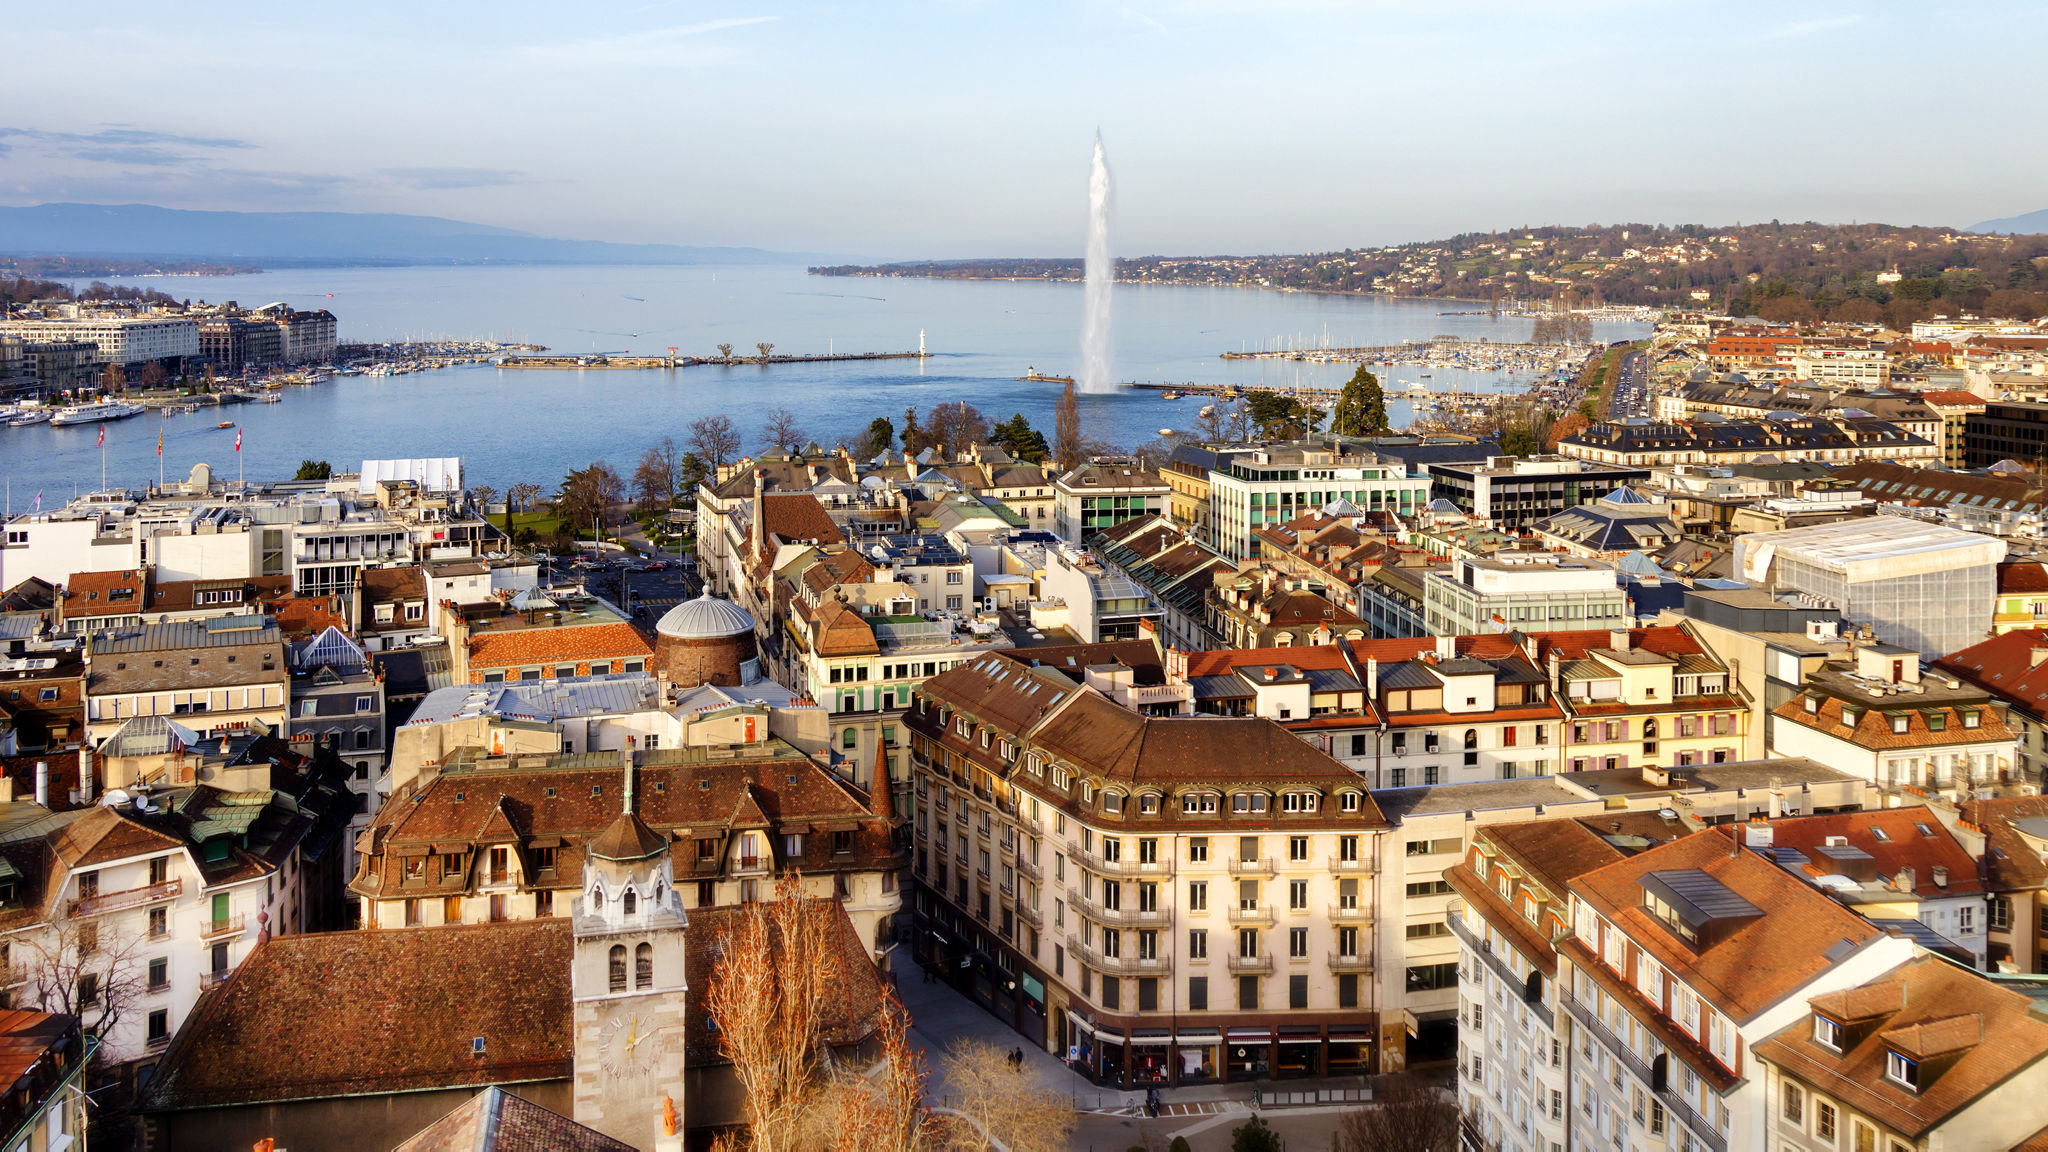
851 1016
106 834
1903 845
547 645
1952 396
1071 660
2006 666
1756 963
997 692
798 516
95 594
840 631
25 1037
1874 729
2022 577
1552 852
385 585
1987 1034
2010 863
1503 917
371 1012
183 595
495 1120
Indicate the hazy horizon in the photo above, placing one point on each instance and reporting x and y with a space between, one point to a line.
947 130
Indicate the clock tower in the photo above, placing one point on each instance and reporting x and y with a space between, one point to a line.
627 982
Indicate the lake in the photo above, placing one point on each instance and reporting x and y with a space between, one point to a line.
535 425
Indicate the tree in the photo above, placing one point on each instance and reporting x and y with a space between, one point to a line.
881 437
1066 429
715 440
1406 1115
690 472
483 494
658 477
314 470
1180 1144
884 1111
1858 311
1278 417
725 353
1362 407
914 438
1254 1136
83 967
1005 1107
1017 437
153 374
587 496
769 995
780 431
956 424
766 350
112 383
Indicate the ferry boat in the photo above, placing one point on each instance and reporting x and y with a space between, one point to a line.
28 416
225 424
96 413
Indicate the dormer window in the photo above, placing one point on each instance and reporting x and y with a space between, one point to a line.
1298 802
1348 801
1247 803
1901 1071
1148 804
1971 720
1850 716
1198 804
1899 722
1827 1033
1112 802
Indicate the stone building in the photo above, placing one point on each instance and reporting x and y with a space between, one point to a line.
706 641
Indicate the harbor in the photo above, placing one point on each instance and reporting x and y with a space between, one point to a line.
673 361
1445 352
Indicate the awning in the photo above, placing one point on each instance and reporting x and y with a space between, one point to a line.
1199 1038
1080 1025
1156 1035
1237 1034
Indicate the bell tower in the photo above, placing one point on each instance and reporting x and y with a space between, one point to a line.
628 984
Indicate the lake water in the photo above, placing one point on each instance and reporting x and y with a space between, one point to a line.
534 425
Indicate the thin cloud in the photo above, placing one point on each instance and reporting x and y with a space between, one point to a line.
679 46
443 179
1809 27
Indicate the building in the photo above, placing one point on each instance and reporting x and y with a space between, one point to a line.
1186 472
1093 600
1274 484
338 703
537 636
2009 667
1645 697
1260 608
1882 718
1919 586
1922 1057
1174 568
1522 591
1842 440
2015 872
1105 492
2006 430
216 676
43 1058
1517 490
1083 871
1611 527
1955 407
1900 868
486 838
123 340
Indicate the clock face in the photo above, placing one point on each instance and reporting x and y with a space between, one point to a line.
625 1048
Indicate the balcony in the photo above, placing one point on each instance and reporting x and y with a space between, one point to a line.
1483 949
1030 870
1358 867
128 898
214 979
1031 915
1351 914
1673 1103
1350 964
1116 917
1258 866
232 926
1114 965
1095 862
1247 916
1252 965
751 866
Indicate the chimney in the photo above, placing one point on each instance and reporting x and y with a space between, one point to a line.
1759 834
1941 875
760 512
1618 639
1906 880
85 775
1372 678
42 783
1446 647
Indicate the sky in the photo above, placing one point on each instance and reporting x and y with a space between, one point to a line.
956 128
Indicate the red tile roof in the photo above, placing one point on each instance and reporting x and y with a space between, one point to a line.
798 516
93 594
548 645
2021 577
1902 844
1874 728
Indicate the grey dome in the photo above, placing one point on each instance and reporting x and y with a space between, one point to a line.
705 618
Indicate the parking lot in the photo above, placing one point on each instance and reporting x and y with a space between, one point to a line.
644 588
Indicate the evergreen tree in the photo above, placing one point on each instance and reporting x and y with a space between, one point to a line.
1362 409
1017 437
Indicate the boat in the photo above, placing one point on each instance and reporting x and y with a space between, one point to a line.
30 416
96 413
225 424
1169 394
270 398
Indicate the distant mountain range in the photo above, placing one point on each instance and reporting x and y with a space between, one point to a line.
2029 224
285 239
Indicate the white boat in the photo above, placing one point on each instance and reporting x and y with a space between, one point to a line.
96 413
29 416
270 398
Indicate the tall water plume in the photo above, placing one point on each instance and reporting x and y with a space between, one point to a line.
1096 373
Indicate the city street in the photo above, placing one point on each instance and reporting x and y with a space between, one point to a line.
1631 388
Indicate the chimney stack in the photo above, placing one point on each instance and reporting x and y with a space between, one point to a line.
85 775
42 783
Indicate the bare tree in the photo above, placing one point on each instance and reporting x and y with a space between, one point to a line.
766 350
1406 1115
483 494
1212 422
769 995
725 352
780 430
112 382
715 441
83 967
659 474
884 1111
1005 1105
153 374
520 497
1066 429
955 425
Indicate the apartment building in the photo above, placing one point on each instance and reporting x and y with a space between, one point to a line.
2009 668
214 676
121 340
1515 490
1522 591
1901 868
1261 608
1644 696
1926 1056
1275 484
1174 568
1823 440
1881 718
490 838
1084 872
536 636
1105 492
43 1057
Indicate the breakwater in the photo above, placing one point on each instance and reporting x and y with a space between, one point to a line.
600 361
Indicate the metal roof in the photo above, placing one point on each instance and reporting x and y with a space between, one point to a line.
544 700
1699 898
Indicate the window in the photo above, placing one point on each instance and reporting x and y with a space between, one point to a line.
1297 848
159 1026
1198 896
1248 993
1198 993
159 974
1823 1120
1297 895
1198 943
1297 944
88 885
1248 943
1198 850
1899 1070
1248 802
643 966
1827 1033
1795 1105
1297 991
617 982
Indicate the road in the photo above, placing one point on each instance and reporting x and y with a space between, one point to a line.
1631 388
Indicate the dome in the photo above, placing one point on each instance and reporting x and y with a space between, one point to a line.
705 618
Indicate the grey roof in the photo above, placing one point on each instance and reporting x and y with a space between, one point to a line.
220 632
1218 687
544 700
1699 898
1331 680
1477 796
148 736
20 625
705 618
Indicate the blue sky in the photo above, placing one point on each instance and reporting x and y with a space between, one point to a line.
957 127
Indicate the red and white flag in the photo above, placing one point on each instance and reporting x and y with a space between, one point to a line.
238 439
103 436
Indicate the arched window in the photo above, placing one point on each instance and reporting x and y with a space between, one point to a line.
632 901
1471 738
643 966
1650 729
597 899
618 973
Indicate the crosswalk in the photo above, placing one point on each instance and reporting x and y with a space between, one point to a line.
1166 1111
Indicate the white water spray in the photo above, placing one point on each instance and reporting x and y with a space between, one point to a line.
1096 373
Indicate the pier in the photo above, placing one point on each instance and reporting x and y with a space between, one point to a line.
1438 352
602 361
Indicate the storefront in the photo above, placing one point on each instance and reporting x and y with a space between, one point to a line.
1300 1053
1250 1054
1031 1016
1199 1055
1151 1057
1349 1054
